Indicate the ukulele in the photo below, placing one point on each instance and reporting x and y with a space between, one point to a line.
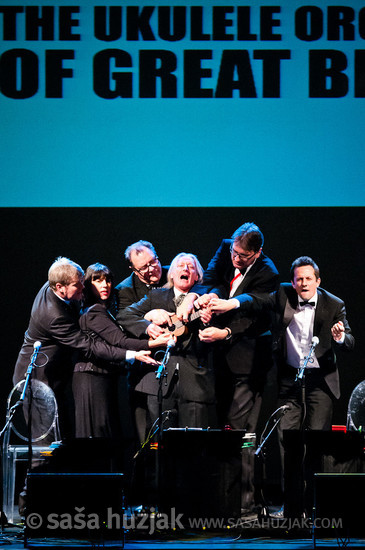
177 327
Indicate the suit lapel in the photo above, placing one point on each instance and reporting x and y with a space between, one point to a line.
290 306
241 288
319 314
228 276
288 313
170 305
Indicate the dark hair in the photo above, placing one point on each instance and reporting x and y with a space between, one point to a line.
249 237
93 273
138 248
301 261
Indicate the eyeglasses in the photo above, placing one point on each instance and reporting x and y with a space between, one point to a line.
242 257
145 268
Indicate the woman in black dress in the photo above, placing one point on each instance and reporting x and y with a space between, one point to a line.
95 382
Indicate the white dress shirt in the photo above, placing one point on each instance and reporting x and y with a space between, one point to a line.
299 334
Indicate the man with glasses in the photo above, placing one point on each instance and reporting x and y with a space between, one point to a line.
242 361
147 273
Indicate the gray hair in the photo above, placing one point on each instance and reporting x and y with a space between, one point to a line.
174 263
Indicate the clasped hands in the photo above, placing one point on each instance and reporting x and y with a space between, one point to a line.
158 337
208 304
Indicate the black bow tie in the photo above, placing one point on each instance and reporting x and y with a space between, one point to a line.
306 303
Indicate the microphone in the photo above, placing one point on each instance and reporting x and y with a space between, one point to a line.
315 341
37 346
161 368
171 344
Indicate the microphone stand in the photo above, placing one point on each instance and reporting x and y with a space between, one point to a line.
284 408
307 359
12 412
20 401
259 453
161 374
301 378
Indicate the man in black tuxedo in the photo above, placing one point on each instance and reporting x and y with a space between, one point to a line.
188 389
54 323
147 274
303 312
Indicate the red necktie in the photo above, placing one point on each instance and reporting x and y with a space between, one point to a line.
233 280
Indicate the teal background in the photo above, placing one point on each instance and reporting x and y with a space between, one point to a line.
83 150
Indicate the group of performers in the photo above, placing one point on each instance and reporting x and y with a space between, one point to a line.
228 324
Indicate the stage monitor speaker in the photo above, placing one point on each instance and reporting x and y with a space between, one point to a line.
315 451
201 473
74 506
339 503
88 455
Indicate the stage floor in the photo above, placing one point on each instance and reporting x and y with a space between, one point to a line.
12 538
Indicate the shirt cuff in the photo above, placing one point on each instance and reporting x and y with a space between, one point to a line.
236 302
130 356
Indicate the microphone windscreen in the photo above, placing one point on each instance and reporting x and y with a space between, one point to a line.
171 343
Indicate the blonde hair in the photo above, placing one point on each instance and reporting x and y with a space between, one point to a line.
174 263
64 271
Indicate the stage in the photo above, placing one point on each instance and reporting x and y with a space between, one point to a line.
247 535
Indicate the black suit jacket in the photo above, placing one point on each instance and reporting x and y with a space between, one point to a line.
132 289
196 380
55 324
330 309
128 292
244 352
263 277
97 321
